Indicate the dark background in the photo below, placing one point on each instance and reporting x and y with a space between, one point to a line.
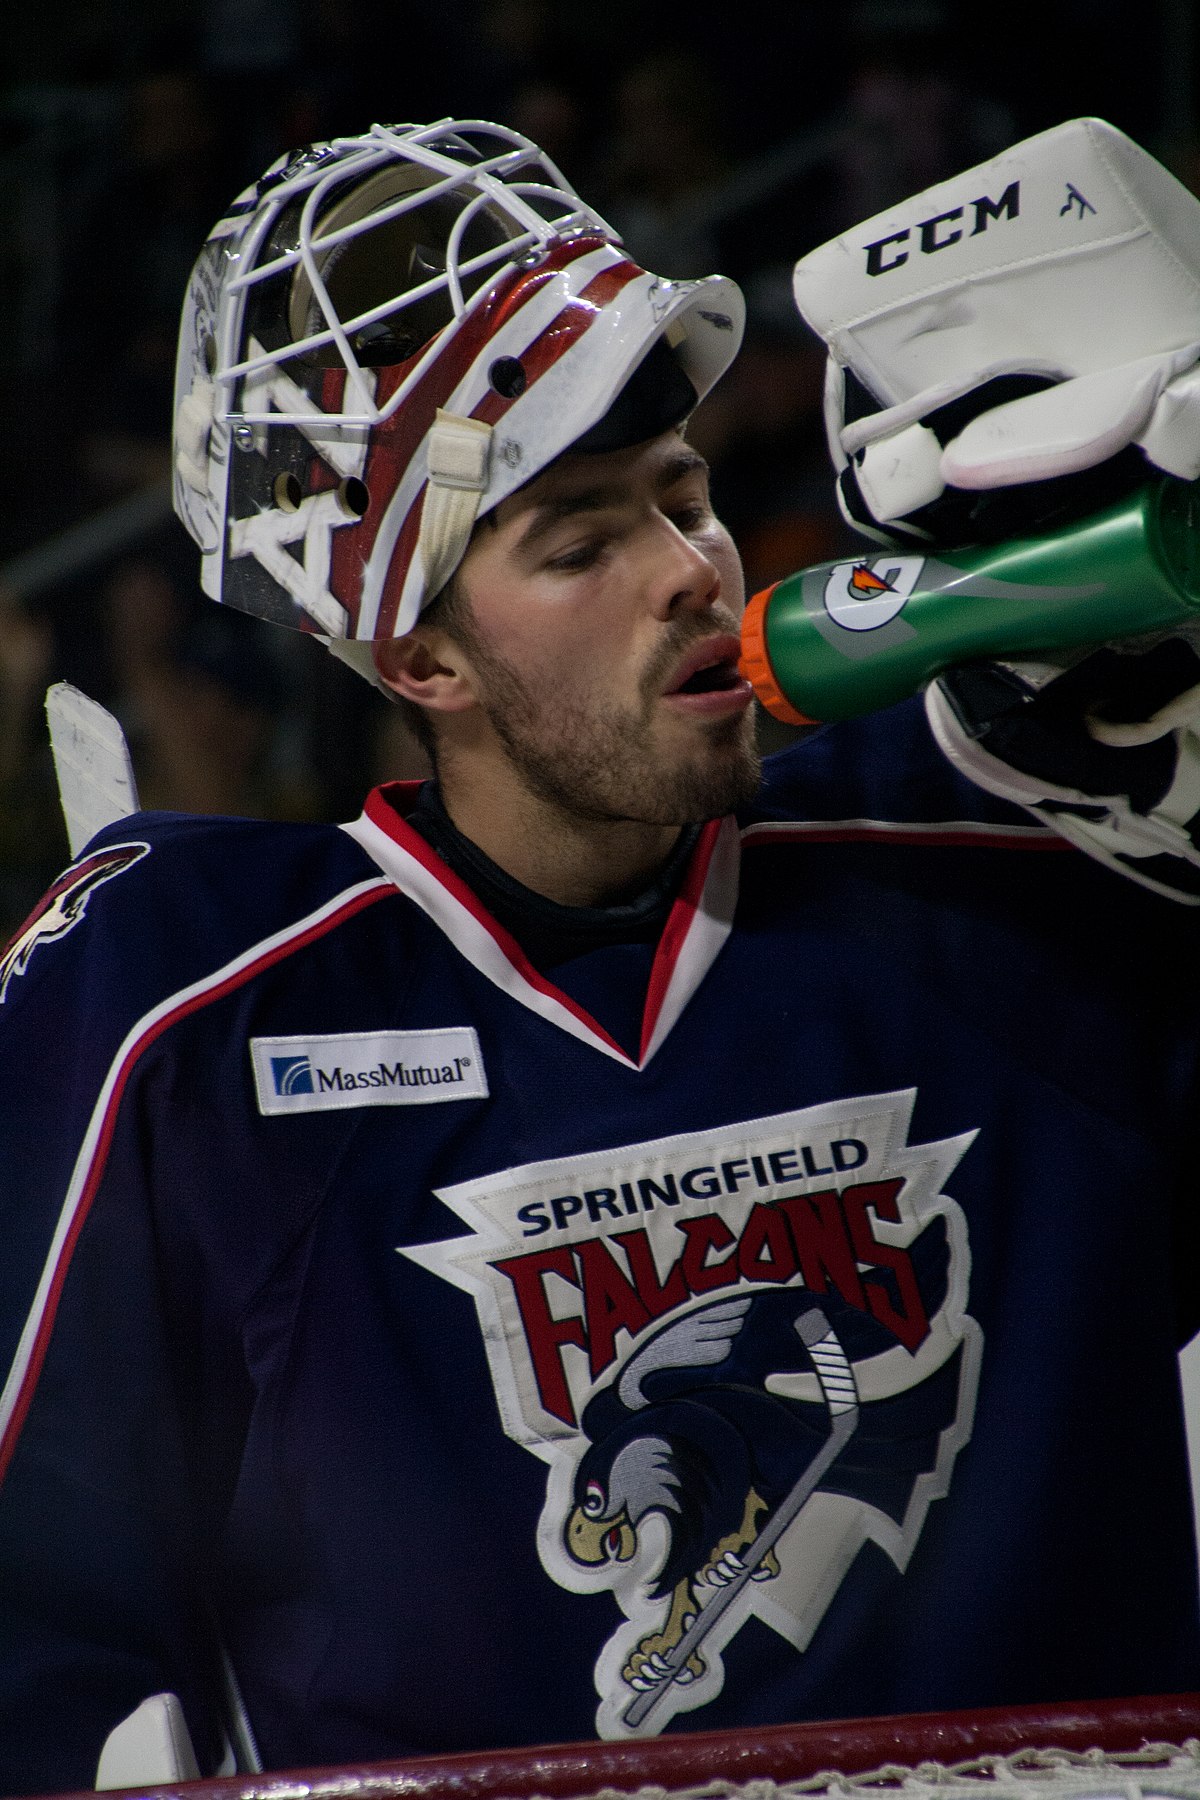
731 137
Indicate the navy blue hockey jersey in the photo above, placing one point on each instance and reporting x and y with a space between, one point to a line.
779 1321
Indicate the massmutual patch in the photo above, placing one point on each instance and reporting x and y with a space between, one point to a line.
367 1068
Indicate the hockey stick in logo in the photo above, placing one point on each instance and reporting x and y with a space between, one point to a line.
841 1397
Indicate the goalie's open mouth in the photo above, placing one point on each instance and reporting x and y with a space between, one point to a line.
707 681
708 678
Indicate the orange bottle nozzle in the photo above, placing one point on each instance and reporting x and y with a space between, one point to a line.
755 663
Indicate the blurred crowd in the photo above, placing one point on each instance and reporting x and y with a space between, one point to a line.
712 137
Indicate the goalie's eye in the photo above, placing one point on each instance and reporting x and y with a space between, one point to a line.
593 1500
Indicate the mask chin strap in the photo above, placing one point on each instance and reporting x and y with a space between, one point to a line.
459 455
459 452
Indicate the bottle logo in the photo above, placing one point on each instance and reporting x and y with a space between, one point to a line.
863 596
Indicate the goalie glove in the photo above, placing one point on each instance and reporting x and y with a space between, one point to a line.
1013 346
1106 750
1009 351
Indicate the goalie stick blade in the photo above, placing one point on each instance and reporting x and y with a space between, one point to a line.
91 760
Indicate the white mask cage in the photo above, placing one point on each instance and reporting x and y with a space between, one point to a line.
513 181
383 338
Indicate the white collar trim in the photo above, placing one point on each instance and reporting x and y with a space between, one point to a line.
696 928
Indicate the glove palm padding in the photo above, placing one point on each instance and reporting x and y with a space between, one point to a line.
1106 751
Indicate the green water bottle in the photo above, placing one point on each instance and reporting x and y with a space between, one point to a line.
849 637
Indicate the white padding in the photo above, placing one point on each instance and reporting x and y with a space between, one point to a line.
900 473
91 760
193 425
1172 438
152 1745
1072 252
458 452
834 410
1072 426
1114 835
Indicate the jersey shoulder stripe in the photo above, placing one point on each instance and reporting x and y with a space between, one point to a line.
17 1395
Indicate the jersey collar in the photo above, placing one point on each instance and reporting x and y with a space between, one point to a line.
694 932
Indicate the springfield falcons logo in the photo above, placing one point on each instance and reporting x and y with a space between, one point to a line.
741 1355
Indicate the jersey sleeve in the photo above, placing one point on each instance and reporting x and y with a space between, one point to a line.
884 766
102 1525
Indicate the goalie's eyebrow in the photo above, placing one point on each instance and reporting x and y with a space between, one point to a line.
556 508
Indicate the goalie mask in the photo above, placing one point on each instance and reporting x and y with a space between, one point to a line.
384 338
1014 345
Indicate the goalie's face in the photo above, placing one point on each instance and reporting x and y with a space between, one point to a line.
596 666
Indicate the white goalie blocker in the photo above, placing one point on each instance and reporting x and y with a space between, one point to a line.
1010 348
1074 257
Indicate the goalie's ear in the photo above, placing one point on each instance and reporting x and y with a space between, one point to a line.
1020 325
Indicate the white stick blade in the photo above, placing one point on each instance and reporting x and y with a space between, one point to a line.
91 760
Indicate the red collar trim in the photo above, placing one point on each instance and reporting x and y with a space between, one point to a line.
385 809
